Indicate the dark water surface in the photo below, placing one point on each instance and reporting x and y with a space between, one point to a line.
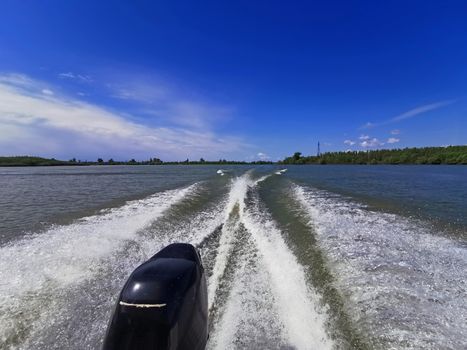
33 196
317 257
434 193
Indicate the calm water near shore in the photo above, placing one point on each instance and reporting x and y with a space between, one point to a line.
317 257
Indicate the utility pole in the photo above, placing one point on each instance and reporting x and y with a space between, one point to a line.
318 154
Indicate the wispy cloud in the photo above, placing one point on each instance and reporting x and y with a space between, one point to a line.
395 132
410 114
263 156
76 77
368 125
367 141
370 142
35 122
157 99
422 109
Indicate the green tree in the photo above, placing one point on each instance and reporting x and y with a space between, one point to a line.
427 155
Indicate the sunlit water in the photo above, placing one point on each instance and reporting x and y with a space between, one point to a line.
318 257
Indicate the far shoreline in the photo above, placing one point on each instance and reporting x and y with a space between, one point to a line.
450 155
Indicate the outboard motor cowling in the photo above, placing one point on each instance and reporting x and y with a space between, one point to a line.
163 305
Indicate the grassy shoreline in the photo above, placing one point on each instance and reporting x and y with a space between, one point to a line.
425 155
451 155
19 161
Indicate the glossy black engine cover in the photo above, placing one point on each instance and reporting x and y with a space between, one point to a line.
163 305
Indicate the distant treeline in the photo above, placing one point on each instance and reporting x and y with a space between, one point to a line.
425 155
38 161
30 161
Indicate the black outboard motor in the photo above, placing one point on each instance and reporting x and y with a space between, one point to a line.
163 305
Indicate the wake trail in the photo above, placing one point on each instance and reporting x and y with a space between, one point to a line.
37 269
182 223
404 283
249 318
269 296
258 294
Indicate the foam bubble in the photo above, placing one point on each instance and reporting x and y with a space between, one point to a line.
298 305
405 284
250 318
277 280
65 255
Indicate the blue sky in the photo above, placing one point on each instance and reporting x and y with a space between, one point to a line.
237 80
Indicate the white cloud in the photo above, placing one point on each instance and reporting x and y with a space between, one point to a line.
263 156
371 142
158 99
57 125
349 142
393 140
139 91
410 114
364 137
47 92
367 125
395 132
77 77
420 110
17 79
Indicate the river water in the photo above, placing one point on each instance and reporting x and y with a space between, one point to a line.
317 257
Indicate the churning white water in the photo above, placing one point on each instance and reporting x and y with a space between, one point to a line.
35 269
270 304
404 284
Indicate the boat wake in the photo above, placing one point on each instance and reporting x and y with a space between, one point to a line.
269 304
38 271
402 284
257 291
405 285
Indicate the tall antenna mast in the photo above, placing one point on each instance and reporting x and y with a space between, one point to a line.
318 154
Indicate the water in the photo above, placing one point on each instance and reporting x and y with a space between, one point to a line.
320 257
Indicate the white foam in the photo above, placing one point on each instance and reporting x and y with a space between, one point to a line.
220 264
70 254
236 194
238 189
298 306
404 284
280 172
298 311
222 172
194 230
250 317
